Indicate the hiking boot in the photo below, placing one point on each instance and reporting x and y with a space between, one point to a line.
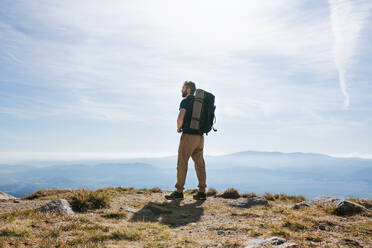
174 196
200 196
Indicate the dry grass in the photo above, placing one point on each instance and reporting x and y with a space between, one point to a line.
284 197
83 200
217 225
248 195
230 193
44 193
211 192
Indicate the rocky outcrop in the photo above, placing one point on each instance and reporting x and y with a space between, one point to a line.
59 205
273 241
317 201
248 202
342 207
5 196
349 208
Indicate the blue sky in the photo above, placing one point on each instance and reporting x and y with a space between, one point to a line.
89 79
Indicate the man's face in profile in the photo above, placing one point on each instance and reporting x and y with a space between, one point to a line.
184 91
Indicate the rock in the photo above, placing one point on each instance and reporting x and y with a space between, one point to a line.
5 196
317 201
16 201
158 209
59 205
145 212
248 202
274 241
349 208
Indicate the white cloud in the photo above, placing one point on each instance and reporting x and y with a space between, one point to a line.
347 20
112 57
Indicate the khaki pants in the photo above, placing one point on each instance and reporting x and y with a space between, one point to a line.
191 145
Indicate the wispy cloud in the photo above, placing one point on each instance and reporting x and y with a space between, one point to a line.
347 20
144 50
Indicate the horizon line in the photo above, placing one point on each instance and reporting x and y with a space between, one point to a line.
19 157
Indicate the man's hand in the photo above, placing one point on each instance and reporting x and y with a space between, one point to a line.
181 115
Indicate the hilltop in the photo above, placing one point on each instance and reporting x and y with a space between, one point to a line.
128 217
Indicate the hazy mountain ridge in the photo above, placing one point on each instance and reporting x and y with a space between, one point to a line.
250 171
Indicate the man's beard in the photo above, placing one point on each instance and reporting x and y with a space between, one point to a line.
184 93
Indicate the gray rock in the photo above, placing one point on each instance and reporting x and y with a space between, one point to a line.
318 201
274 241
248 202
145 212
5 196
59 205
349 208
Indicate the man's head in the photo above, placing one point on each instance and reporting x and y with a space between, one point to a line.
188 88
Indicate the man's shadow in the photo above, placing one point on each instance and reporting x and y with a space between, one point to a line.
170 213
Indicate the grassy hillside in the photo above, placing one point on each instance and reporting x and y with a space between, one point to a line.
112 217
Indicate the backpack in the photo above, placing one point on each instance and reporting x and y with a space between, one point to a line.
203 117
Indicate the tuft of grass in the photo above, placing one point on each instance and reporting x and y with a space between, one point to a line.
254 233
230 193
45 193
284 197
270 197
312 238
84 200
117 215
156 190
211 192
294 225
131 235
248 195
281 233
15 231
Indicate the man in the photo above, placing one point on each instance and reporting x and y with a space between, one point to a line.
191 145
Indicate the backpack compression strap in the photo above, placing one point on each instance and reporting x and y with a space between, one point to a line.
197 109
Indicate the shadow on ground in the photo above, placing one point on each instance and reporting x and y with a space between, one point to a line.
172 213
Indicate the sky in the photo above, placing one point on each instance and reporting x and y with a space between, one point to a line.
91 79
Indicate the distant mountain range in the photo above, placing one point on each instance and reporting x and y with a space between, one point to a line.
307 174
